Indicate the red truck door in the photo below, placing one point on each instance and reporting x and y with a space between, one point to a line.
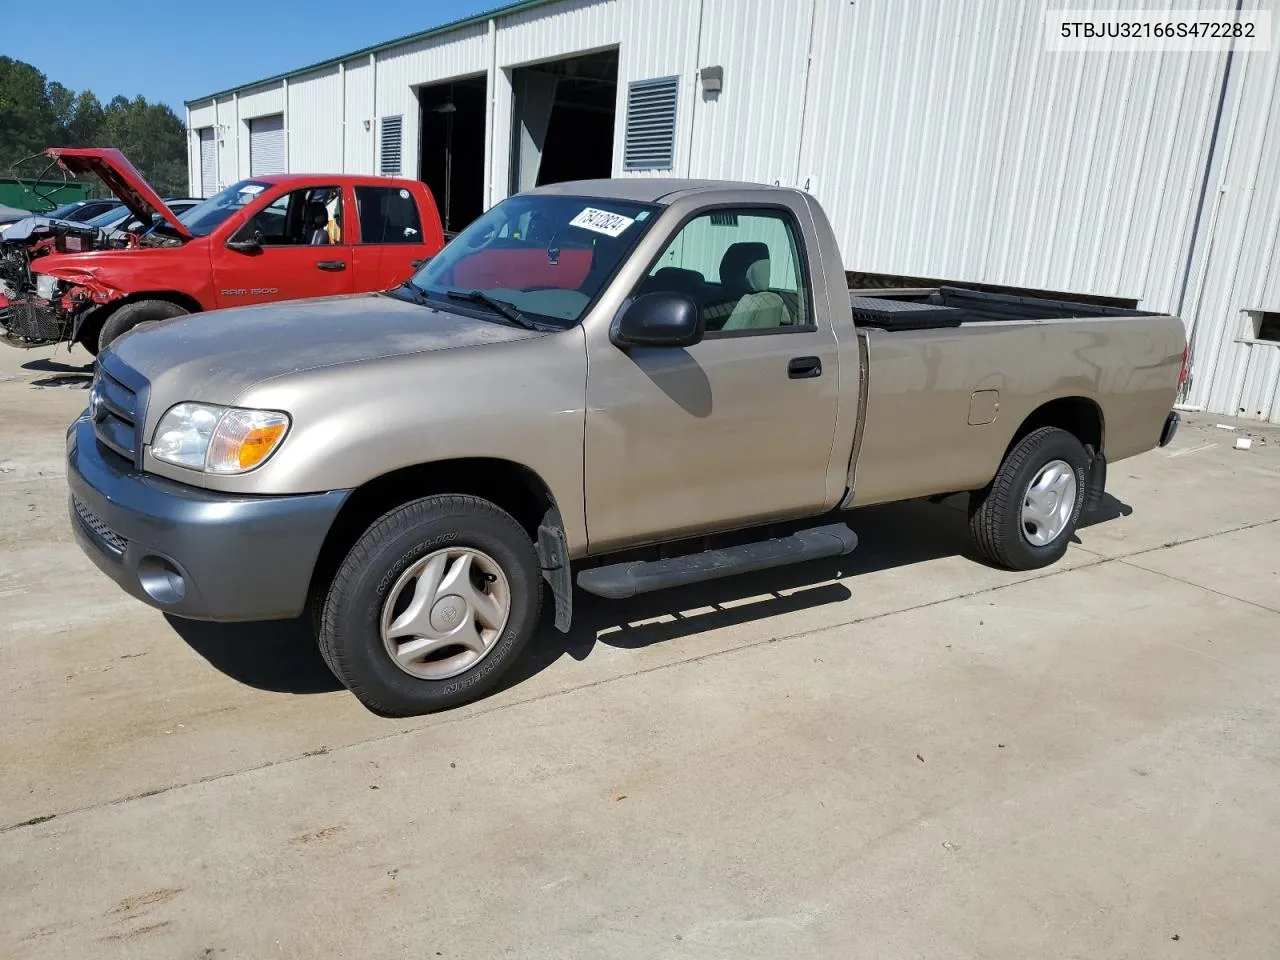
396 233
291 248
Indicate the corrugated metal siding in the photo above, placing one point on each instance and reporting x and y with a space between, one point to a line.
229 144
205 115
659 38
262 102
751 129
357 144
557 30
460 53
315 122
960 148
1230 376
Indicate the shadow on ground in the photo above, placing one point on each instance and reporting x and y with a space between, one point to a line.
63 374
282 656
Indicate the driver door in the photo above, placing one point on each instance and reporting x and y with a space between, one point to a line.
300 255
735 430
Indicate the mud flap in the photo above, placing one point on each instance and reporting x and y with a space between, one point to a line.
553 557
1096 481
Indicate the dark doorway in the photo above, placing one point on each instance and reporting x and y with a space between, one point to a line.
452 148
564 119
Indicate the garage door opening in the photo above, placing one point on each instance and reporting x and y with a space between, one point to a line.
452 148
564 117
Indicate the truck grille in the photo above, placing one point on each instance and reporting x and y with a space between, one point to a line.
114 408
98 529
33 321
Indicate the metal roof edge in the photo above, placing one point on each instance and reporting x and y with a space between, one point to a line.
503 11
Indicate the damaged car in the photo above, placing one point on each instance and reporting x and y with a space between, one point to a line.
269 238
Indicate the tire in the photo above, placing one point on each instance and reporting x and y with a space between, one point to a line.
370 595
999 523
131 314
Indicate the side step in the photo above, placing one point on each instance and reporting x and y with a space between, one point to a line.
621 580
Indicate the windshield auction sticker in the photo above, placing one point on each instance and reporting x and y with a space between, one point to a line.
601 221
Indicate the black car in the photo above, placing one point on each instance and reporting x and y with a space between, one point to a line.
81 210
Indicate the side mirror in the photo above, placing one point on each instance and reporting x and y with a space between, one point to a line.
660 319
250 244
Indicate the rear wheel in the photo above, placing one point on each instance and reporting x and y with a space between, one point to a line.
1027 516
131 314
431 606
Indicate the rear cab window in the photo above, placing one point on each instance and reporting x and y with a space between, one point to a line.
388 215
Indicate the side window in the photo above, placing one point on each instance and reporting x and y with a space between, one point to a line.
743 268
388 215
310 217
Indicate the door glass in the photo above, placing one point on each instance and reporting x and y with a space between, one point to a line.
741 267
310 217
388 215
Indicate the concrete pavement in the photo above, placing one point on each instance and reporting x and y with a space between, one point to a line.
905 755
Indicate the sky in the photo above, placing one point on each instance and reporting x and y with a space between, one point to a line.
170 51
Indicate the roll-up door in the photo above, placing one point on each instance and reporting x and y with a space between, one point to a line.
266 145
208 163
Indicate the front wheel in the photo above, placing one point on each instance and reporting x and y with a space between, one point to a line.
431 606
127 317
1027 516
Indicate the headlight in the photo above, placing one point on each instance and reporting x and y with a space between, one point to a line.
216 439
47 286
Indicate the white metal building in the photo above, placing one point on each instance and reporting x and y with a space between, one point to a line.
940 135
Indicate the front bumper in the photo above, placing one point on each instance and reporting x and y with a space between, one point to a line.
1170 428
192 552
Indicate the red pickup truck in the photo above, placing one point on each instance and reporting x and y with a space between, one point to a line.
269 238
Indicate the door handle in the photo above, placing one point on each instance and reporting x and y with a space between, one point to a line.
804 368
331 264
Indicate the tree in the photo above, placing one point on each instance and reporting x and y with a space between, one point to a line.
27 119
36 113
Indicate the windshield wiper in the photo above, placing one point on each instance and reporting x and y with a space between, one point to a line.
419 293
497 306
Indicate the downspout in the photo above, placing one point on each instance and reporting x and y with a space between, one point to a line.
373 114
193 138
1211 230
342 78
235 110
804 92
693 110
219 140
284 111
490 109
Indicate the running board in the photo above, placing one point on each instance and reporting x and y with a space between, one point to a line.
621 580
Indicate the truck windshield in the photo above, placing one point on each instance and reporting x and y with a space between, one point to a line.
204 217
547 256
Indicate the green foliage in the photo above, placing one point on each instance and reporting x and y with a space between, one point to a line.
36 113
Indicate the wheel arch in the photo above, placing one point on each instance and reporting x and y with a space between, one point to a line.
92 321
515 487
1080 416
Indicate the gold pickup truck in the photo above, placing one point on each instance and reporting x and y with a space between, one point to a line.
619 385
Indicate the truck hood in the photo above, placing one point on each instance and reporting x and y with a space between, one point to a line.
216 356
122 178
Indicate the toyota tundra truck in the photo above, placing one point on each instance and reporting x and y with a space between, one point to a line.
269 238
613 386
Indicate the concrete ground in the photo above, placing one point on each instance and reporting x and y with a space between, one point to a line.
905 755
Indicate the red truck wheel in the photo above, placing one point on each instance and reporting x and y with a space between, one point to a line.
131 314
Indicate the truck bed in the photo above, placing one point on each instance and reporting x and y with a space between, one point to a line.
949 374
948 306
